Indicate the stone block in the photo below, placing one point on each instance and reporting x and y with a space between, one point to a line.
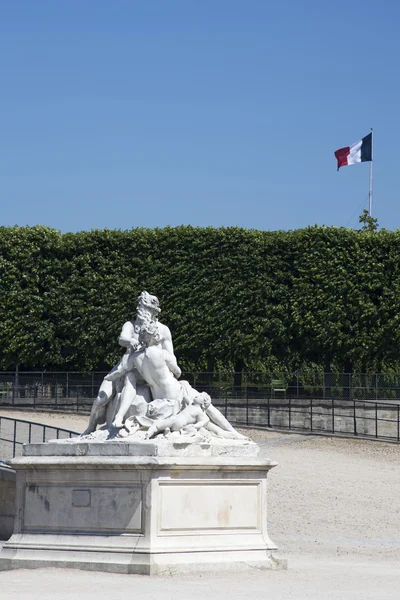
140 514
7 502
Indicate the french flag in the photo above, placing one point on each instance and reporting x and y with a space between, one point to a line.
359 152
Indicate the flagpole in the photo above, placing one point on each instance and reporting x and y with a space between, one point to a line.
370 179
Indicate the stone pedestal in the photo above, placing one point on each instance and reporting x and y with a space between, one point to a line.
112 507
7 502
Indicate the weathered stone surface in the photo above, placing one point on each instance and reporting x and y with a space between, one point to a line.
7 502
158 447
168 488
140 514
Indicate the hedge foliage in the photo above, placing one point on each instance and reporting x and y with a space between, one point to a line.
233 298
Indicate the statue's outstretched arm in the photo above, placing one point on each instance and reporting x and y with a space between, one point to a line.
127 334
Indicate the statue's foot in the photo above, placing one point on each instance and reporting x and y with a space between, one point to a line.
129 428
117 423
88 430
239 436
123 433
152 431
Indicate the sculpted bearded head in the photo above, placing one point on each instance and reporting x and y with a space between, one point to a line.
148 302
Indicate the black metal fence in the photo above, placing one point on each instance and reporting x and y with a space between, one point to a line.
49 390
65 389
15 432
362 418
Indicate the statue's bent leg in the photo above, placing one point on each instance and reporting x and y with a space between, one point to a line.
127 397
222 433
140 403
112 408
104 396
218 418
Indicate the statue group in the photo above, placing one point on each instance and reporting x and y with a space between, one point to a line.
143 394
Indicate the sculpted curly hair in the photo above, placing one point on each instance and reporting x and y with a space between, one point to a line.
149 329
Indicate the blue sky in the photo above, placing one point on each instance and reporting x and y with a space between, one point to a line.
128 113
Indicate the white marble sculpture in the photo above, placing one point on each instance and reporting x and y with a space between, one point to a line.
166 486
126 390
146 382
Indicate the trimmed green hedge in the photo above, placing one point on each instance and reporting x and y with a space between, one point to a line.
233 298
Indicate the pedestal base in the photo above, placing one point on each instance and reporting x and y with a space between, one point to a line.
147 515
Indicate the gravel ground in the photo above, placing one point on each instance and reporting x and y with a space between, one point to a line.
334 511
73 421
70 421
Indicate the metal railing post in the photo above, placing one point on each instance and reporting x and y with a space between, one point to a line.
398 422
333 415
15 438
15 423
354 417
311 414
376 419
16 380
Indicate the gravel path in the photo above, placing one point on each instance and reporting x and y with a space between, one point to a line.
334 511
71 422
